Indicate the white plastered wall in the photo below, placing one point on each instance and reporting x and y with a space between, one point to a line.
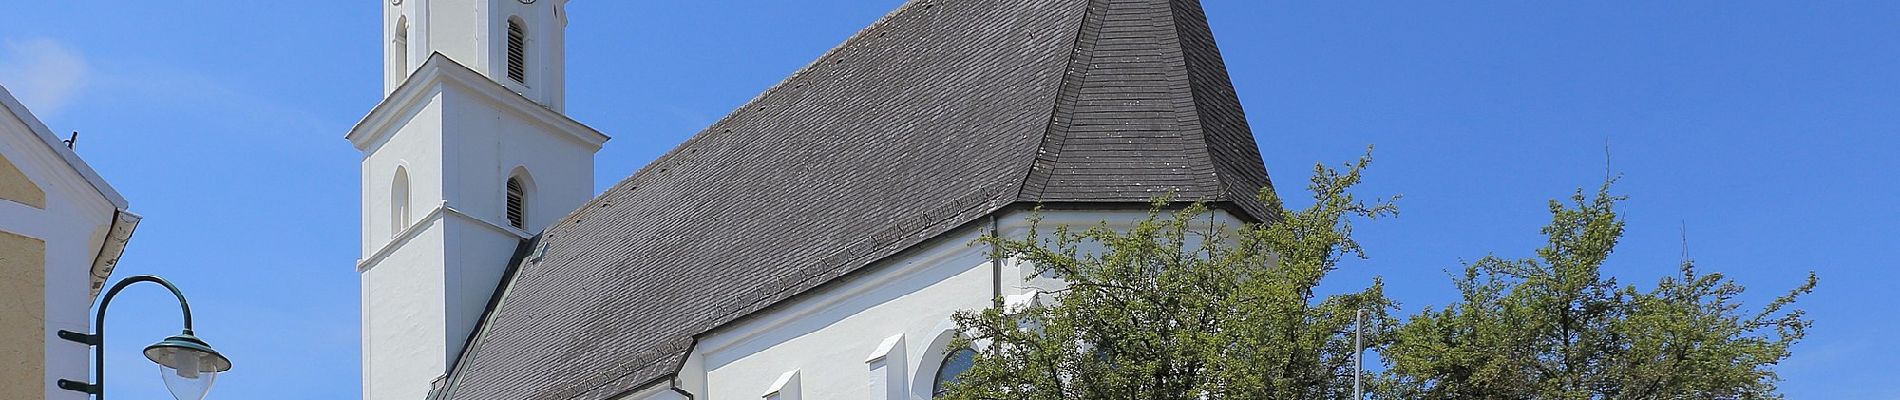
546 30
473 32
456 28
417 148
403 299
488 144
830 334
459 137
73 226
402 283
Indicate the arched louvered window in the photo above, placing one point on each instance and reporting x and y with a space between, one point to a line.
954 364
517 51
399 46
517 203
399 202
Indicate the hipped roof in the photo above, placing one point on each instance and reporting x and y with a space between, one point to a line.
940 113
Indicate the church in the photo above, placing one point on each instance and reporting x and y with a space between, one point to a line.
811 244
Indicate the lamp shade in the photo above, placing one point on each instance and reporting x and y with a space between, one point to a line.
187 365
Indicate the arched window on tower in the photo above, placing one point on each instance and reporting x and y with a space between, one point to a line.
954 364
399 202
399 47
517 203
517 51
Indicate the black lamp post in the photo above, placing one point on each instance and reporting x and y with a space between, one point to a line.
188 365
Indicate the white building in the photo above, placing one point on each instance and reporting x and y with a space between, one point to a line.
810 245
62 229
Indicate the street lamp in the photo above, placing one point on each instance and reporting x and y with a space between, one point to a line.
188 365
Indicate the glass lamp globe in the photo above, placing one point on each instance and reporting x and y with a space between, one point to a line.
187 365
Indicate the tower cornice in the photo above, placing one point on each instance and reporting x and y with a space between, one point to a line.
440 71
434 217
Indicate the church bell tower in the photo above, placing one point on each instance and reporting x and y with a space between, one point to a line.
467 156
520 43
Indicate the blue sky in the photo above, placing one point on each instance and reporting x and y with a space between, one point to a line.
1765 129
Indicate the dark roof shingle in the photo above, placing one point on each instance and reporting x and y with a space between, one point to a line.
938 114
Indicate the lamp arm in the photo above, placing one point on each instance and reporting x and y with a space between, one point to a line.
183 306
97 338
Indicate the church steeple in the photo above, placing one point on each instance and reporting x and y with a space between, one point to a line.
517 43
467 157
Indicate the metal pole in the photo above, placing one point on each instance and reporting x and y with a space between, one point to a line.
97 338
1358 353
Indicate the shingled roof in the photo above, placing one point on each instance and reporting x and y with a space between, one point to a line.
942 112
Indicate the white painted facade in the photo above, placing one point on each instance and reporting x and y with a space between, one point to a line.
83 224
436 241
455 128
880 333
474 33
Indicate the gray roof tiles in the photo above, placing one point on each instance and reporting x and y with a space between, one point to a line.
940 113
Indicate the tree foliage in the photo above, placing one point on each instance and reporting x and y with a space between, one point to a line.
1180 306
1553 327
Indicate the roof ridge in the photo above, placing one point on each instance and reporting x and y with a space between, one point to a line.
918 131
777 87
802 71
699 136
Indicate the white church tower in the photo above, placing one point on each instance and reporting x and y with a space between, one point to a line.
467 155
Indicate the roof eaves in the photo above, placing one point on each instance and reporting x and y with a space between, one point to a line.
57 146
753 103
768 297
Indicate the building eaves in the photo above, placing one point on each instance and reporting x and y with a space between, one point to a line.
57 146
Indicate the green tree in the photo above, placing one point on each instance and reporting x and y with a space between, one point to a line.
1553 327
1182 307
